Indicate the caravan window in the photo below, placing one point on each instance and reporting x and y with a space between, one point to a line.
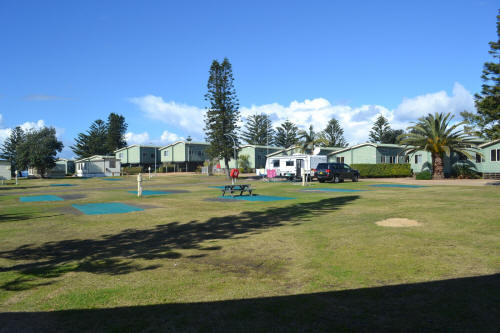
276 163
112 164
289 163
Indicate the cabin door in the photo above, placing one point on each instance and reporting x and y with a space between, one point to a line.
299 164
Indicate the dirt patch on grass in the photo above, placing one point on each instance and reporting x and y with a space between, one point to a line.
73 196
398 223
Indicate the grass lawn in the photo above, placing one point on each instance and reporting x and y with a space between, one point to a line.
315 263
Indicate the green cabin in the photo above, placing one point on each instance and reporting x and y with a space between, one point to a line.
139 155
184 155
63 168
256 156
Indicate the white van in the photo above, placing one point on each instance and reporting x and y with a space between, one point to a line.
291 166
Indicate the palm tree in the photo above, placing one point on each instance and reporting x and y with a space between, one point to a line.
434 134
308 140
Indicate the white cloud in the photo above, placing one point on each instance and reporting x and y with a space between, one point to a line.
29 125
189 118
413 108
356 121
137 138
169 137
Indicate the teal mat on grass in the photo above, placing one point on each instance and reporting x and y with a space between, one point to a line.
62 185
41 198
397 185
112 179
106 208
148 192
256 198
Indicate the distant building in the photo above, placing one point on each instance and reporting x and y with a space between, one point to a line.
5 170
297 150
184 155
98 166
139 155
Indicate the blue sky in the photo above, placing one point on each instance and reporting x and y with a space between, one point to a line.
67 63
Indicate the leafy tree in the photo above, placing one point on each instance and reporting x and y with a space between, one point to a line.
93 142
10 148
380 129
333 135
223 112
434 134
116 128
286 135
486 123
244 163
309 140
392 136
258 130
39 149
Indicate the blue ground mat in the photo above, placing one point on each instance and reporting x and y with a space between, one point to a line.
62 185
106 208
256 198
221 187
332 190
148 192
41 198
397 185
112 179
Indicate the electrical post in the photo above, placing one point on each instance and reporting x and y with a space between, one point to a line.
139 185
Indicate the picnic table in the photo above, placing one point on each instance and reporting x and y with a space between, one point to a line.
242 188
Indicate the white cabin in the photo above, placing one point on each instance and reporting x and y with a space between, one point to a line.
98 166
291 166
5 172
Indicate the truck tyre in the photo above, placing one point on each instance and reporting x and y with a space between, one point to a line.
336 179
355 178
321 180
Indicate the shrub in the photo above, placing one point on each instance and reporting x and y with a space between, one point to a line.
382 170
464 171
131 170
198 169
424 175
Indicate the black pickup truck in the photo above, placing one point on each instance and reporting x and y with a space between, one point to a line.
335 172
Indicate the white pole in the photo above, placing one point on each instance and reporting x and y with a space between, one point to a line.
149 171
16 176
139 185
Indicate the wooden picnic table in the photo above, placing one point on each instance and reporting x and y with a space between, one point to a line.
242 188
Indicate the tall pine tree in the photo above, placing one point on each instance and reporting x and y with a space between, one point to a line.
379 130
10 148
258 130
286 135
94 142
222 114
486 123
116 128
333 135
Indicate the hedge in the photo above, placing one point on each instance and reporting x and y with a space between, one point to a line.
382 170
424 175
131 170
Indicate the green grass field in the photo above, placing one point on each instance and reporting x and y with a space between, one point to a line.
315 263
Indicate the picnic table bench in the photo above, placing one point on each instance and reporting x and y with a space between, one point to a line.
237 188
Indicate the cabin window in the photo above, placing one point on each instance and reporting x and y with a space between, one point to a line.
392 159
276 163
112 164
407 159
120 155
478 158
495 155
289 163
418 159
340 159
382 159
165 153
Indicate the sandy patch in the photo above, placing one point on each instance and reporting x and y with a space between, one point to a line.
398 222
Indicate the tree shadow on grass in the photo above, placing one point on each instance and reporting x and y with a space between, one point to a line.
455 305
114 254
22 217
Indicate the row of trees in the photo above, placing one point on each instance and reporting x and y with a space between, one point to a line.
35 148
259 131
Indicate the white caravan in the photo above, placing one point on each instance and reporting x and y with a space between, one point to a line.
291 166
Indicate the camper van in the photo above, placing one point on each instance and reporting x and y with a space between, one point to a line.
291 166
